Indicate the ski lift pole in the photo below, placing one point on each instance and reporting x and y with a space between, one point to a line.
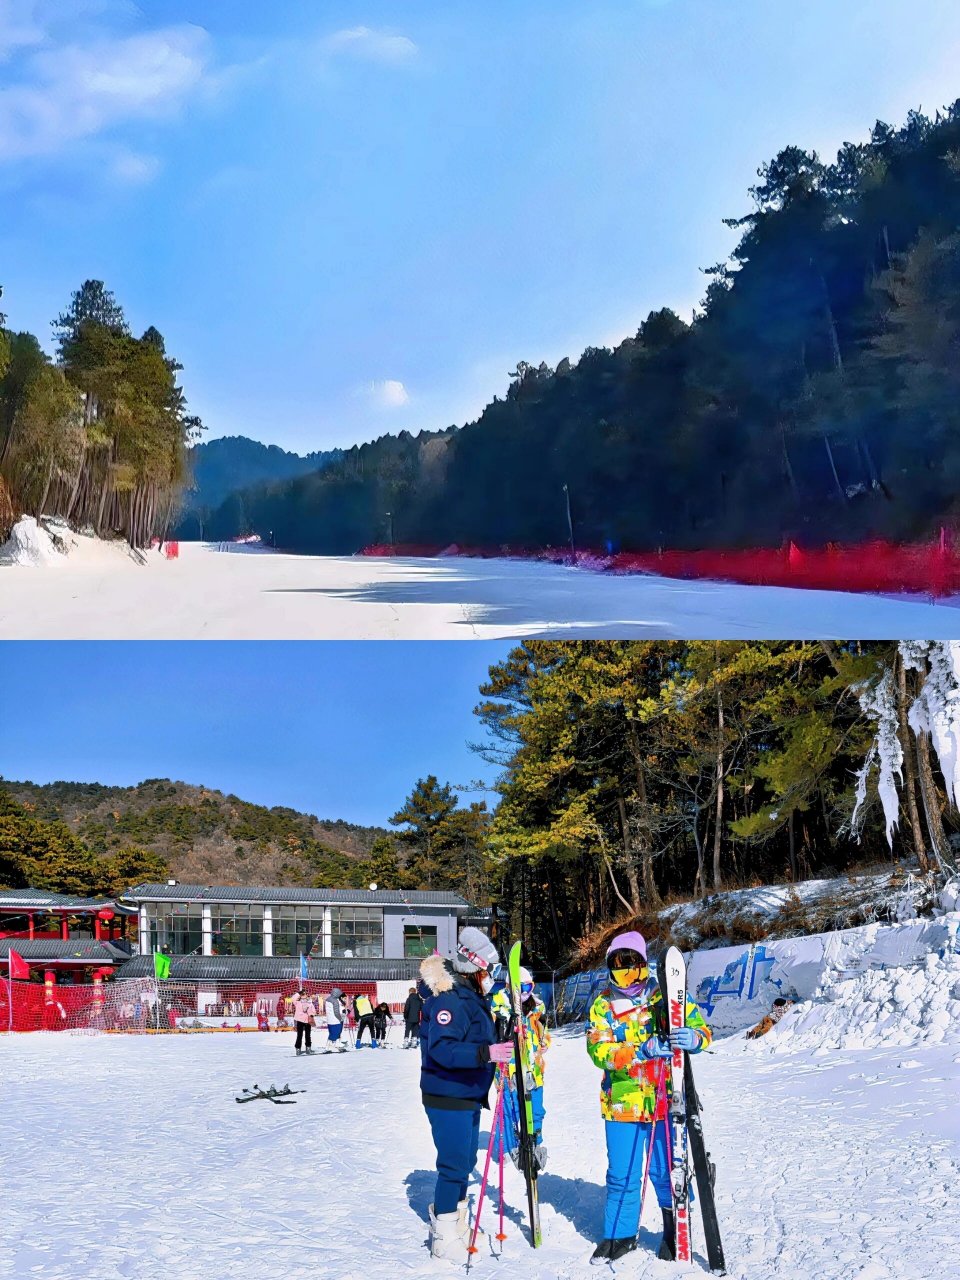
494 1128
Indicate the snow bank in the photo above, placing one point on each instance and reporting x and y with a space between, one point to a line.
30 544
919 1004
736 986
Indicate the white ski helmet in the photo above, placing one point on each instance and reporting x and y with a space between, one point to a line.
526 976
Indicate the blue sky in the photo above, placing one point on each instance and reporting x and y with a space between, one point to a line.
353 218
341 730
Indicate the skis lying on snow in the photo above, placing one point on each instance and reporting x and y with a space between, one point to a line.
527 1147
705 1173
672 979
273 1094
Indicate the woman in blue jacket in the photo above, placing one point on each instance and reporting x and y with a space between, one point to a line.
458 1060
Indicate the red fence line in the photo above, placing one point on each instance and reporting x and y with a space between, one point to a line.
928 568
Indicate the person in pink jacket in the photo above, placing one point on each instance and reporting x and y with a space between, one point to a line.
303 1015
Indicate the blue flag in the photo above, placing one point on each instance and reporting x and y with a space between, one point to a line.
303 967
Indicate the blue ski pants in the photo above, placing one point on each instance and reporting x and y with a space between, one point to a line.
334 1031
626 1157
456 1136
511 1119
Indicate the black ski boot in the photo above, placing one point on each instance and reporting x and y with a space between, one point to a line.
618 1248
602 1252
668 1245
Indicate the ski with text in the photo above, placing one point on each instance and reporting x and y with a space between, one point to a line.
528 1161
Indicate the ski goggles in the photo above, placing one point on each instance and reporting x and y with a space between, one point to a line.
624 978
526 988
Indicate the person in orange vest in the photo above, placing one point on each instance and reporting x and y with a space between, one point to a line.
363 1011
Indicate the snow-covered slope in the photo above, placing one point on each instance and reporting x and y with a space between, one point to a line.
203 595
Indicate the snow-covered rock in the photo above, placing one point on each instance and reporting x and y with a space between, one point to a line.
30 544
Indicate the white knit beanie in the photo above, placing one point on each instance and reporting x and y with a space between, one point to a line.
475 951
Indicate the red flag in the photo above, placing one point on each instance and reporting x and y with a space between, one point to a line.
18 966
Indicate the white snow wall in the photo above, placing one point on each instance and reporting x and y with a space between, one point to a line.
736 986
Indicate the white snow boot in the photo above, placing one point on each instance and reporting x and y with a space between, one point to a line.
450 1234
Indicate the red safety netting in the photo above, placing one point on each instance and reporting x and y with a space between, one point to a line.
925 568
144 1004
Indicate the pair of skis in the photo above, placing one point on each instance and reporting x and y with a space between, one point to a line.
273 1094
684 1125
527 1152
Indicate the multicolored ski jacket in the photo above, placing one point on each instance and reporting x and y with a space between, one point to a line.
538 1037
616 1028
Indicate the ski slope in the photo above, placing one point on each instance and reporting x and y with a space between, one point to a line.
99 591
128 1157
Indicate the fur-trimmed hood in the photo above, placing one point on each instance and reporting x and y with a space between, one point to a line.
437 975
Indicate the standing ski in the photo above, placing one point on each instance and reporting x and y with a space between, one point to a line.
672 979
527 1154
704 1172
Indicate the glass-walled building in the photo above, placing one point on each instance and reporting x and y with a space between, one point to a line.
208 920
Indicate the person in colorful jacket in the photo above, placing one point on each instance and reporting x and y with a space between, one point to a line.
627 1039
458 1057
537 1043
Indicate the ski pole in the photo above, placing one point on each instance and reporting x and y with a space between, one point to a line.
501 1234
497 1110
661 1092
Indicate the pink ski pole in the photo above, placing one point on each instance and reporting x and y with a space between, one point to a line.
653 1133
498 1108
501 1234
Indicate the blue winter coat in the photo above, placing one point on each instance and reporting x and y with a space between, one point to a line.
455 1023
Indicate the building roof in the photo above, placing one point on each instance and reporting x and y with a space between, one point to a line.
294 895
273 969
55 950
46 900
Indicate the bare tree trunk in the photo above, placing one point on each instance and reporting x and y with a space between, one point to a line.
788 465
833 468
718 829
931 805
909 769
793 848
628 856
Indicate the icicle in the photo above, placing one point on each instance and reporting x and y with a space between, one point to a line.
879 702
936 710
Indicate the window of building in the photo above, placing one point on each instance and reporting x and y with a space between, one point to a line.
177 928
356 931
297 931
237 928
419 941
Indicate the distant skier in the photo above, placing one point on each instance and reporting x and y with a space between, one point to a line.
537 1042
411 1019
336 1015
303 1015
363 1012
381 1016
458 1056
625 1040
780 1007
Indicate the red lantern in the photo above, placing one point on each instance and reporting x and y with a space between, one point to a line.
105 914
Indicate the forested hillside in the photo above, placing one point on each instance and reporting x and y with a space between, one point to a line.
221 467
816 394
200 835
99 436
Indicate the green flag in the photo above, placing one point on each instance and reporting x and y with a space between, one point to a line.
161 965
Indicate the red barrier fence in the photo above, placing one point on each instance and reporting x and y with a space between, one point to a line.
927 568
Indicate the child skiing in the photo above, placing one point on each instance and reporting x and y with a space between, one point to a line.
626 1039
303 1016
538 1041
336 1016
363 1012
458 1058
381 1017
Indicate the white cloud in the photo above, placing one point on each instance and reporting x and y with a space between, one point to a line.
372 46
19 27
74 92
134 169
386 394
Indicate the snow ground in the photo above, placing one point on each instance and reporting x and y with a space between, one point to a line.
127 1157
98 592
